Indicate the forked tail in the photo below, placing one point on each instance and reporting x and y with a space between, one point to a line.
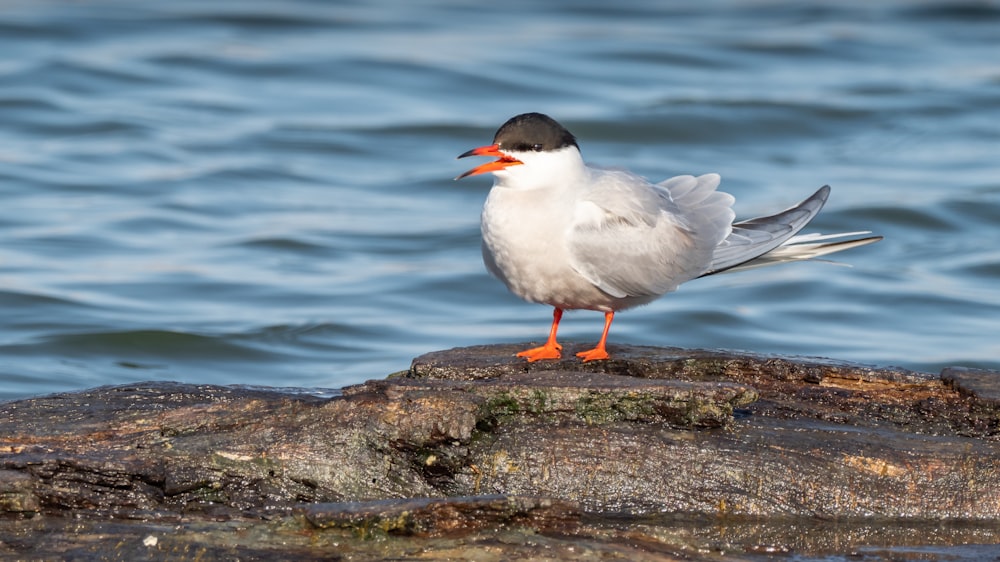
772 239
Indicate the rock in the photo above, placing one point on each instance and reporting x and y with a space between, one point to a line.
16 494
980 384
473 446
489 361
455 516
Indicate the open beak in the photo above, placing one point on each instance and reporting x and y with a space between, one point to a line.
491 150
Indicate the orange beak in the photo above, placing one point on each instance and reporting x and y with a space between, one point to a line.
491 150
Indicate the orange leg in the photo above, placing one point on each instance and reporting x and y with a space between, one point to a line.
551 349
599 352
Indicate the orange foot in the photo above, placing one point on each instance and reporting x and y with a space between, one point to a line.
596 354
547 351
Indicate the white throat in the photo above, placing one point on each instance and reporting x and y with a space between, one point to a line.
553 169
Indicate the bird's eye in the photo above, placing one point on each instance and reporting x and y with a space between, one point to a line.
536 147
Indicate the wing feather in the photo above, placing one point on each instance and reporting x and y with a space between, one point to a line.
631 238
753 238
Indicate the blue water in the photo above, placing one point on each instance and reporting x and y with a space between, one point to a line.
260 192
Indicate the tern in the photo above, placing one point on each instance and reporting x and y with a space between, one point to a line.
560 232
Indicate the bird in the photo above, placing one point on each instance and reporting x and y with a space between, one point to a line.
574 236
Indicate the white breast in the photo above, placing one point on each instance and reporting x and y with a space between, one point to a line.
524 245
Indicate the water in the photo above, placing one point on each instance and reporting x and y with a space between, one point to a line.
260 192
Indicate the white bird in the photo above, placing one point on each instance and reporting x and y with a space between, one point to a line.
561 232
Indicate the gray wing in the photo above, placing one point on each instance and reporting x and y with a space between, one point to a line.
753 238
631 238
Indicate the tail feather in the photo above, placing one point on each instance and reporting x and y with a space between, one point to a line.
806 247
772 239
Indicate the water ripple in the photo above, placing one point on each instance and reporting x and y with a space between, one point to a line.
254 193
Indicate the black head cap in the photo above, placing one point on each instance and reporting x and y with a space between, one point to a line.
533 132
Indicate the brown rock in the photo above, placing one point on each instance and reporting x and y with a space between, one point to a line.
476 443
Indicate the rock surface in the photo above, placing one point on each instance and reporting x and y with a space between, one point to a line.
659 453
